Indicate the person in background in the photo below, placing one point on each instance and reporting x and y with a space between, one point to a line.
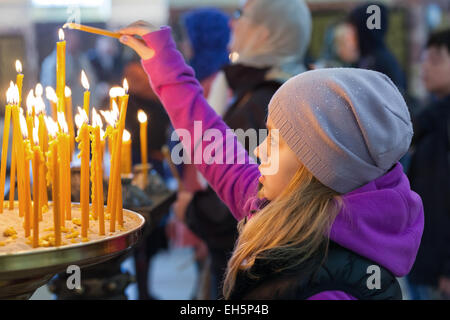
76 61
430 173
268 43
340 47
107 62
373 52
206 34
143 97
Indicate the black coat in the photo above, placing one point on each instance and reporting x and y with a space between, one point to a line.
373 50
341 270
429 174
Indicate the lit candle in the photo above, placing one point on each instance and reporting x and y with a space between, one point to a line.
60 70
5 143
126 152
85 83
12 176
53 98
69 118
111 118
98 172
18 152
142 117
29 117
117 160
38 159
27 152
81 120
64 165
19 80
54 174
43 144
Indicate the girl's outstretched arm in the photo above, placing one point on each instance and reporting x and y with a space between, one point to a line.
207 140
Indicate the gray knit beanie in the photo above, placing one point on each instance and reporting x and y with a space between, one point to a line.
347 126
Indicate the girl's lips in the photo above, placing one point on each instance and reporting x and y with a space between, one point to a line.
261 179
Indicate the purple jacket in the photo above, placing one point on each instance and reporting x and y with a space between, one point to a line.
382 220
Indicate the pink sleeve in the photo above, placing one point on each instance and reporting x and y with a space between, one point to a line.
205 137
332 295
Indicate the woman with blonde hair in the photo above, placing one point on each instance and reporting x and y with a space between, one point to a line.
335 218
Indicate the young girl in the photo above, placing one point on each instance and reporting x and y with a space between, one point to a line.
337 220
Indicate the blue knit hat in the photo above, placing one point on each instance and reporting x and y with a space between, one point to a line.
209 33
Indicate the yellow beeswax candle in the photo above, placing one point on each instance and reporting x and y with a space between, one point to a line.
126 153
5 144
69 119
37 159
53 171
60 71
116 174
19 80
142 117
85 83
83 140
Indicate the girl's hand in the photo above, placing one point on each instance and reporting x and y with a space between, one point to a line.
138 28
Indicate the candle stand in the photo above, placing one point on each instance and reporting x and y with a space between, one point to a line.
21 273
107 280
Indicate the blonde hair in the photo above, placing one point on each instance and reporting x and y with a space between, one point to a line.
288 231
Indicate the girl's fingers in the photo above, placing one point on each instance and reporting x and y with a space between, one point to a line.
139 46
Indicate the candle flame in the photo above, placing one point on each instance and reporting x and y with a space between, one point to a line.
67 92
36 135
9 93
23 126
142 116
84 80
115 92
61 34
51 94
96 119
18 66
125 85
39 90
52 126
31 102
62 122
126 136
81 118
39 105
12 94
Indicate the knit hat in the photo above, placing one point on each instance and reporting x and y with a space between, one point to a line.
209 33
347 126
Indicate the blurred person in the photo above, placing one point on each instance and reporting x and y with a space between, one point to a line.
107 63
430 173
76 61
340 47
268 43
346 44
206 34
143 97
373 52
